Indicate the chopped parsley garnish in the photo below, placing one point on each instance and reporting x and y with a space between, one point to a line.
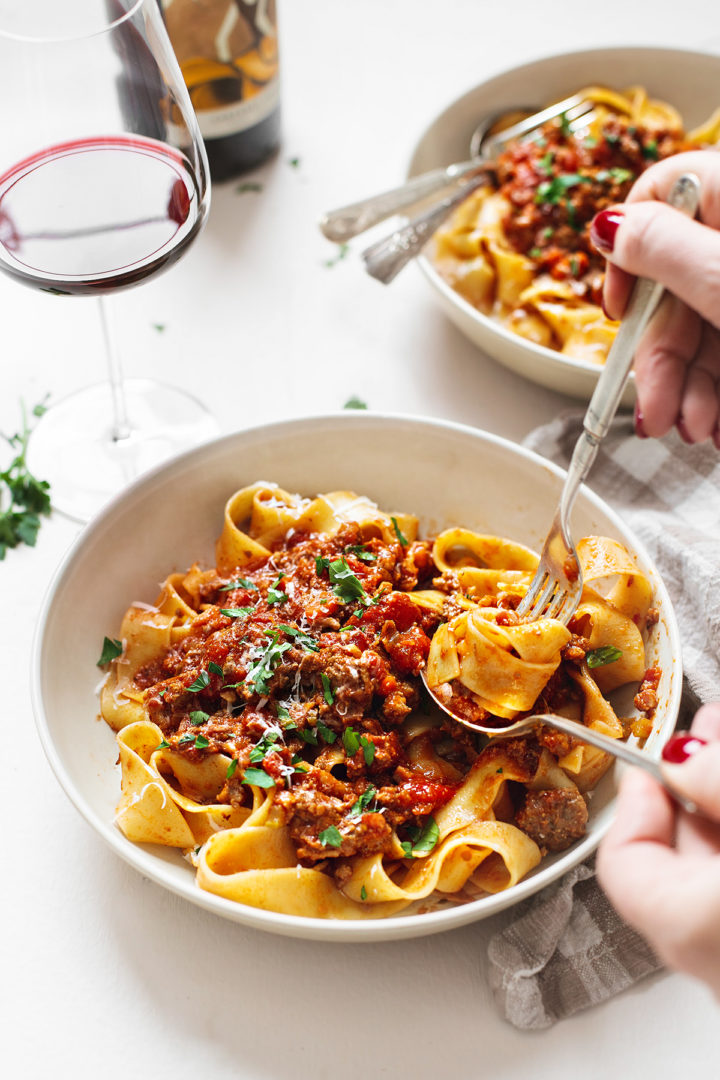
361 804
535 253
248 185
617 174
215 669
402 540
354 403
606 654
330 837
162 745
361 552
368 749
552 191
345 584
547 232
201 683
235 612
258 778
421 841
342 252
160 327
231 769
201 742
590 141
611 138
239 583
284 718
28 497
545 163
574 266
309 735
275 595
266 744
363 893
327 689
294 162
111 649
650 150
565 124
351 741
198 717
261 671
299 636
327 734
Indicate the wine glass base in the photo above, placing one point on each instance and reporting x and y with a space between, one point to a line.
73 447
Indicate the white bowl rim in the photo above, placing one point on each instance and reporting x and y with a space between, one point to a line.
551 356
345 930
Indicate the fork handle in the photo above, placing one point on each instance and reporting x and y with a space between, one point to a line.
684 196
349 221
619 749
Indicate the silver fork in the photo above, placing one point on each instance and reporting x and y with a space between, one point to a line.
555 590
348 221
385 258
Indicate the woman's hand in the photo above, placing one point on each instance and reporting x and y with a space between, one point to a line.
677 364
661 866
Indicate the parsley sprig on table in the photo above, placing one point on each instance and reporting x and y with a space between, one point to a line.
29 498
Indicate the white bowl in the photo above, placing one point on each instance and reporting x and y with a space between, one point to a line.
445 473
688 80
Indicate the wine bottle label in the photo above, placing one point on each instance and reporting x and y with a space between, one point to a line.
228 54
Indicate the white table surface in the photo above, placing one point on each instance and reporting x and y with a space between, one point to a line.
102 972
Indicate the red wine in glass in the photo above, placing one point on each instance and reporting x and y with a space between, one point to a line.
145 211
103 184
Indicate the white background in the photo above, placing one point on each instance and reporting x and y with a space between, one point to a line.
103 973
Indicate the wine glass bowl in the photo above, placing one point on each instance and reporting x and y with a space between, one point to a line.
104 182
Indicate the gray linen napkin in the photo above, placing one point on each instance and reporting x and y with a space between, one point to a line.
566 949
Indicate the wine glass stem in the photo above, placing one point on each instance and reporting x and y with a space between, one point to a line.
121 424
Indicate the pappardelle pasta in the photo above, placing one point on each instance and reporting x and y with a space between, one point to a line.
520 251
270 721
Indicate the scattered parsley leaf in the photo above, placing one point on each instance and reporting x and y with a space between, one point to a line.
308 735
259 778
650 150
201 742
328 735
299 636
402 540
361 804
342 251
294 162
235 612
361 552
201 683
606 654
239 583
422 842
275 595
351 741
535 253
111 649
28 497
368 748
330 837
262 669
363 893
215 669
552 191
199 717
162 745
345 584
327 689
354 403
231 769
160 327
248 185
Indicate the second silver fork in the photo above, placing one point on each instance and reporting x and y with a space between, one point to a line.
555 590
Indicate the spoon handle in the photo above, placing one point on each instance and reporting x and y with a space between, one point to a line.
616 747
348 221
385 259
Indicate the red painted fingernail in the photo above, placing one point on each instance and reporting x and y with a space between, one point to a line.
603 229
683 431
639 425
680 747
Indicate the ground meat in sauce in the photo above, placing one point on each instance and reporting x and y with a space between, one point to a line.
646 699
554 818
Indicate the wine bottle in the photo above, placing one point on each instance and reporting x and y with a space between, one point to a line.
228 54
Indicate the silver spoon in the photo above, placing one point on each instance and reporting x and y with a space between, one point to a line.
616 747
346 222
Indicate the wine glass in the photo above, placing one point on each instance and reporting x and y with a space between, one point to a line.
103 183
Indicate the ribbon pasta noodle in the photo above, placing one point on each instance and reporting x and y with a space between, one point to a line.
267 721
520 251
